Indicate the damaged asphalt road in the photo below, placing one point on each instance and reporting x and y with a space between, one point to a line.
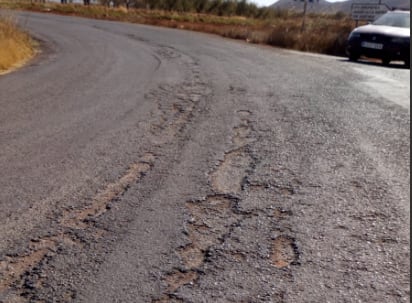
141 164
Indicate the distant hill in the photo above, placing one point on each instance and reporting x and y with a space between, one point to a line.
324 6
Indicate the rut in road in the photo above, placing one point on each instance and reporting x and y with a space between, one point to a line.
212 222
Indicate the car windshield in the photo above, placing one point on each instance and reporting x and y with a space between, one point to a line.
394 19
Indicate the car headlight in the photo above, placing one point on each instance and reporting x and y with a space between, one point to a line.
402 40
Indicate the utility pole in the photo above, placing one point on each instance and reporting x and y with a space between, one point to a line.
305 7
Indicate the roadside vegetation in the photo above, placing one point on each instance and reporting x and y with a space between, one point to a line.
15 45
236 19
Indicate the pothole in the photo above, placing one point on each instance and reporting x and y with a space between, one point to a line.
192 256
238 256
280 214
14 269
242 135
209 221
210 218
228 177
284 252
287 191
178 279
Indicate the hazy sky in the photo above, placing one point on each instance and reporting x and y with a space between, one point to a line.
263 2
269 2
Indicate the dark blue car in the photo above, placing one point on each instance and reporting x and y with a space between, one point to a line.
387 38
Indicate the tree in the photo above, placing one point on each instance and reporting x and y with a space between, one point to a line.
202 6
214 7
228 8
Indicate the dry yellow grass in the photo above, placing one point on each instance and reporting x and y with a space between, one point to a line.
16 46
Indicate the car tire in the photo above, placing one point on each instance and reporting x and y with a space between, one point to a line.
353 57
408 63
386 61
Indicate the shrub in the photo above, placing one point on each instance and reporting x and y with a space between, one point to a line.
15 45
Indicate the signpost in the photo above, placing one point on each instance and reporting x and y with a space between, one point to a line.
362 11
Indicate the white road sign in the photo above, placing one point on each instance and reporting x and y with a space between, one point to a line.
367 11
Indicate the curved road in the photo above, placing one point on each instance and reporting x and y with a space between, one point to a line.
141 164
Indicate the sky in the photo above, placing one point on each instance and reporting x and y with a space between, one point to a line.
263 2
269 2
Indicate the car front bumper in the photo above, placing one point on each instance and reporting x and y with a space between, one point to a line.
389 50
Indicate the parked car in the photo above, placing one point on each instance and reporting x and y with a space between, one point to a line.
387 38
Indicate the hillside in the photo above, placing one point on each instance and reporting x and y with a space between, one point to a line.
324 6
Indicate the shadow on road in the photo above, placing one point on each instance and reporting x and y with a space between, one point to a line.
375 62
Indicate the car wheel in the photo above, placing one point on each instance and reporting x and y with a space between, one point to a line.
408 63
386 61
353 57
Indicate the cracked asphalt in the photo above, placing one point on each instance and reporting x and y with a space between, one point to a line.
143 164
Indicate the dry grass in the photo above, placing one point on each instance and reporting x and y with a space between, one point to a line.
324 33
15 45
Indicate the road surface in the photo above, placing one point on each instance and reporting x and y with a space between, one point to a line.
143 164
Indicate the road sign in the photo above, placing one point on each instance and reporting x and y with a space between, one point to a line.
367 11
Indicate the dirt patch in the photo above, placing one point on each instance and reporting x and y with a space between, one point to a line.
178 279
287 191
99 205
174 281
14 269
209 221
280 214
228 177
238 256
242 135
221 232
192 256
284 252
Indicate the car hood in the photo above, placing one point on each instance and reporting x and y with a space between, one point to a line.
384 30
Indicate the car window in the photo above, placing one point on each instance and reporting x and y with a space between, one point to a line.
394 19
